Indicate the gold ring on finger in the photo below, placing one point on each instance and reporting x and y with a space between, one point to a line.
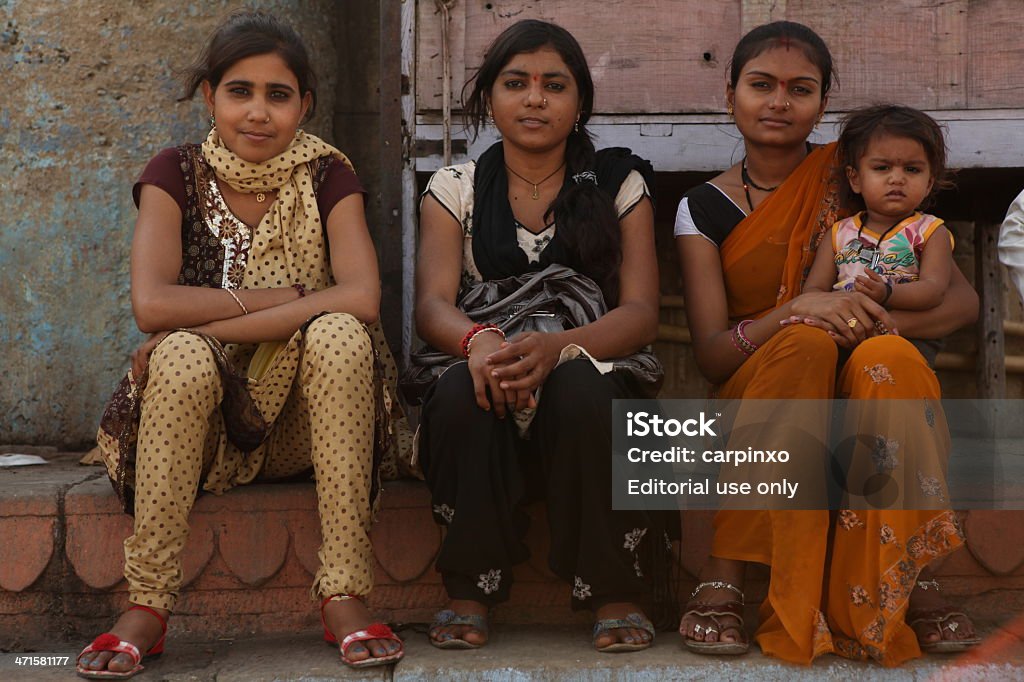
852 322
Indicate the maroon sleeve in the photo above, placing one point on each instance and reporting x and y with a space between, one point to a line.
164 171
339 182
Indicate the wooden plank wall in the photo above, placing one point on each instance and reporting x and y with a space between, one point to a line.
670 56
995 74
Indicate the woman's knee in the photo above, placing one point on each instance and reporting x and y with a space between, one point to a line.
183 359
577 394
891 351
804 346
338 342
452 399
805 338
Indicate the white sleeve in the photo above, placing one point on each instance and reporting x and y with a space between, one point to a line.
1011 242
633 189
684 222
446 186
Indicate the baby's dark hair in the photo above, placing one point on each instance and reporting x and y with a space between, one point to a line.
860 126
248 34
783 34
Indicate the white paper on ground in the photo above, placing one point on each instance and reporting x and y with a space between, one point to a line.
16 460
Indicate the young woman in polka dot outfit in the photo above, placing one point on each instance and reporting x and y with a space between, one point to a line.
251 256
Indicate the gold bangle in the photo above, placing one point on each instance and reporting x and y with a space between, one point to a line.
478 332
245 311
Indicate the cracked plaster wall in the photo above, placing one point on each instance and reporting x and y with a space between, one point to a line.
90 96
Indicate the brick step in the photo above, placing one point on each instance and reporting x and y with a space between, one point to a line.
251 556
248 564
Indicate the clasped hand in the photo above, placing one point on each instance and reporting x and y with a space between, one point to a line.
511 371
849 318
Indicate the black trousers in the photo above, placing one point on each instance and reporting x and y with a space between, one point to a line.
480 473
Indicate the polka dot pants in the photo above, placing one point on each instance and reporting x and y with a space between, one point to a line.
317 397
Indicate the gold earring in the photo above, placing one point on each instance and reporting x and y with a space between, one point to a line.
728 109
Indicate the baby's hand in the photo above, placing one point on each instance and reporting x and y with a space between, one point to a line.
872 285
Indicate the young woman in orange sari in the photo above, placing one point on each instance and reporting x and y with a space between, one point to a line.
839 583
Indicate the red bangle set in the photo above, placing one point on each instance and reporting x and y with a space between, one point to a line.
467 340
299 288
740 340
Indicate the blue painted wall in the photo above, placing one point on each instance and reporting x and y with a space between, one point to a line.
90 91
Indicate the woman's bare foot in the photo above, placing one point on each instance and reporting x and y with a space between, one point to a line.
468 633
703 628
927 603
345 616
136 626
619 611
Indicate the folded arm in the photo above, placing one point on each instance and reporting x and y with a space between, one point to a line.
160 303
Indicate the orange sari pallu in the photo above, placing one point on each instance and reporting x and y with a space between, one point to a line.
851 603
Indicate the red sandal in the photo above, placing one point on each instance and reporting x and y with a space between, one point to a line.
372 631
111 642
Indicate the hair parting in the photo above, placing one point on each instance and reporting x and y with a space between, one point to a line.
246 34
787 35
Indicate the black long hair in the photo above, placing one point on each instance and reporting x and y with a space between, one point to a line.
247 34
587 223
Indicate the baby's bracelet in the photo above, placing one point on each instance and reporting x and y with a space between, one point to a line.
888 293
476 330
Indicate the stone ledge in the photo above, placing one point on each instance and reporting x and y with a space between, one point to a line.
535 654
252 553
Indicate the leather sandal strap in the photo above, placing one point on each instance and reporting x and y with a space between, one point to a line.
633 620
448 617
155 614
113 643
706 610
933 616
373 631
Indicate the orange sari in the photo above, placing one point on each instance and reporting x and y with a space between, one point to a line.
837 586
